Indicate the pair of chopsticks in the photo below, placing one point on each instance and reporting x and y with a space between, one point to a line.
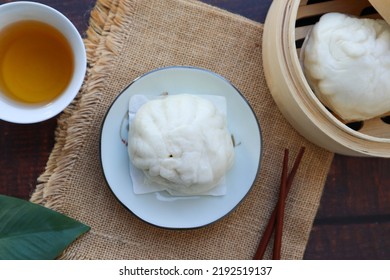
276 220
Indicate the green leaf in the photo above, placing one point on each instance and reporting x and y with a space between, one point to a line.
31 231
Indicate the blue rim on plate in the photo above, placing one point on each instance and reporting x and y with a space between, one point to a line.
163 210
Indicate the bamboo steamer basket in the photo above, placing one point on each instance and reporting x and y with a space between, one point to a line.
287 24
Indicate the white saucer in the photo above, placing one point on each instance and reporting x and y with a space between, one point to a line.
161 209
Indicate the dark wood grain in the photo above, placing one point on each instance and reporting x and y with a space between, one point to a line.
24 150
350 241
358 187
353 221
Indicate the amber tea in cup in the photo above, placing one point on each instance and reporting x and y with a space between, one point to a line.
43 62
37 62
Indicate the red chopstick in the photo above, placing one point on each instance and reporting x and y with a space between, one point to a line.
280 209
271 223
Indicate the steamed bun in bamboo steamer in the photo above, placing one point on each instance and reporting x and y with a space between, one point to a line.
346 61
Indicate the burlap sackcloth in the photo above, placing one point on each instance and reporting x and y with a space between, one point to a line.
127 38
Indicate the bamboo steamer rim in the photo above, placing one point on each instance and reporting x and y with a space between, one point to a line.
383 8
279 44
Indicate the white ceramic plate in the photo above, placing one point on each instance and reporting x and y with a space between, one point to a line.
163 210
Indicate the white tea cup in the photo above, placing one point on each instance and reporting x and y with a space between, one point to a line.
18 111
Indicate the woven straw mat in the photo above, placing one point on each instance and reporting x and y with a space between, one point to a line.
129 38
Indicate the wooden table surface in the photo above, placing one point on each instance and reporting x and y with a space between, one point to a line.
353 221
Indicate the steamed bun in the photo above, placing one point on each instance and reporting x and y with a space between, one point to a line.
181 142
346 61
